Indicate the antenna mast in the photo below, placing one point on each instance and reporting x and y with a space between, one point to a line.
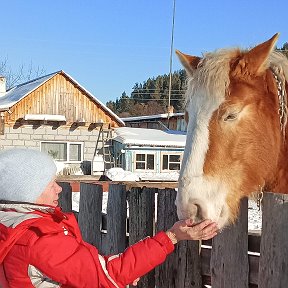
171 53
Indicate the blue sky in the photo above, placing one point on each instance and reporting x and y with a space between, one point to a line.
109 45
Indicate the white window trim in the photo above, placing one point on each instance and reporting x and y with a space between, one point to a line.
146 153
170 153
68 149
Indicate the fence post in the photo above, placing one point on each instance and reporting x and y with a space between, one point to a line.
116 219
229 256
273 268
90 217
65 197
141 223
182 269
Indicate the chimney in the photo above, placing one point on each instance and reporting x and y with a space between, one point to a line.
2 86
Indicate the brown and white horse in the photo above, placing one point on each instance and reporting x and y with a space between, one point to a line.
236 111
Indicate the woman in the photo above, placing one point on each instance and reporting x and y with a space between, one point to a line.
40 246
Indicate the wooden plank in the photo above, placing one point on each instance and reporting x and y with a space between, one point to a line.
185 259
254 240
128 184
65 197
273 267
253 269
205 268
116 219
80 178
141 223
229 257
89 217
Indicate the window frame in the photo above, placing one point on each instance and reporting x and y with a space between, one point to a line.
68 143
170 154
145 153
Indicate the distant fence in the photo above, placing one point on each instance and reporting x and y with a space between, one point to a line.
233 261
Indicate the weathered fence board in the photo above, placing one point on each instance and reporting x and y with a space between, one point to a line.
142 223
89 217
182 268
273 266
229 257
65 198
116 219
226 264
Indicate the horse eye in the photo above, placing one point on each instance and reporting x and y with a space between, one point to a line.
231 117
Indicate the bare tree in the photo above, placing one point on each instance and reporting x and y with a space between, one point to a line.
24 73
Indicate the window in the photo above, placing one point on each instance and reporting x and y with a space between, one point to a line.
171 161
64 151
145 161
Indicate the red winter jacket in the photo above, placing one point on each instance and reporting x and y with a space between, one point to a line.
42 247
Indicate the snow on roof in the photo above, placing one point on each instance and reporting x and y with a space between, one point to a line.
149 137
151 117
18 92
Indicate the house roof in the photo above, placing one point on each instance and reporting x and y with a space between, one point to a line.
17 93
152 117
150 137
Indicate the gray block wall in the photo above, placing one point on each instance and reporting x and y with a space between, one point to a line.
31 137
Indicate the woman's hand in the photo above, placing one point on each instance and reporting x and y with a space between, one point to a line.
187 230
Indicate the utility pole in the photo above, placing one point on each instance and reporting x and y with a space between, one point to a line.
171 56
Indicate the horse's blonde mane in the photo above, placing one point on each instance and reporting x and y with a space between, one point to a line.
212 73
279 64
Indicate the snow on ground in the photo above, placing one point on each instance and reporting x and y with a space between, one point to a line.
118 174
254 216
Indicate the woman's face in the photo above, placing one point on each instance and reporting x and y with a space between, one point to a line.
50 195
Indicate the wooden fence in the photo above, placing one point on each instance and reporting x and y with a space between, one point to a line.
229 260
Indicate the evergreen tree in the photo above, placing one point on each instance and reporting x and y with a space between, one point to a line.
151 97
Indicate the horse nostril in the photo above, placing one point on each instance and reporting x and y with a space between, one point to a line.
195 211
198 211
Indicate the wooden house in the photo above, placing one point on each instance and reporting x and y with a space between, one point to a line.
150 153
55 114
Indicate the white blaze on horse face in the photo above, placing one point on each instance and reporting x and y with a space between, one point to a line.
200 196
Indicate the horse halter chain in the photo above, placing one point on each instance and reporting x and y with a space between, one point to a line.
282 97
260 197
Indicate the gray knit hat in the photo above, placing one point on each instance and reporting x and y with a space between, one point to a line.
24 174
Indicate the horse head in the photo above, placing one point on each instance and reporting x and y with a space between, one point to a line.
236 113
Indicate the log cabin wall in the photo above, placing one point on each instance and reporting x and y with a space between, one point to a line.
60 96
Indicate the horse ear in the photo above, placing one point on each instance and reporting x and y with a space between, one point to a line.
189 62
256 60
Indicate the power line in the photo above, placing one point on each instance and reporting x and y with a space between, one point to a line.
143 89
155 93
150 99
